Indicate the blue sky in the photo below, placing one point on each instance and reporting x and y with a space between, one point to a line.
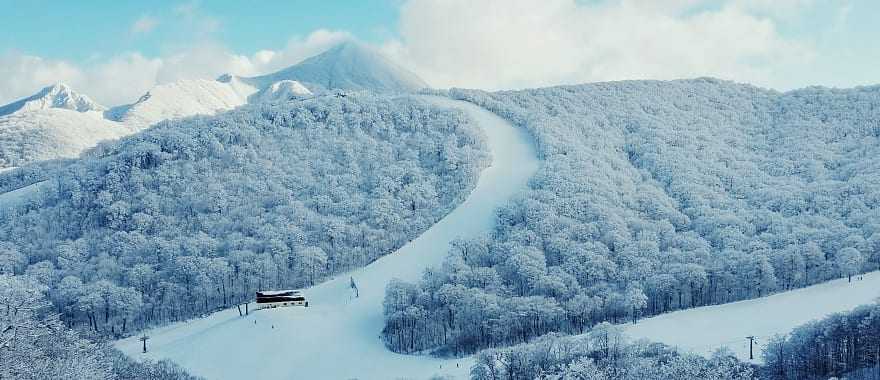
79 30
116 50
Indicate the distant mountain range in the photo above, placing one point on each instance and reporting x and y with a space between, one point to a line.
58 122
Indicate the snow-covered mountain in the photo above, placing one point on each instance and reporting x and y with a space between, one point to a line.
45 134
57 95
348 66
181 99
58 122
281 91
53 123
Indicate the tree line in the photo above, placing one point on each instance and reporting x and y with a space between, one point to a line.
35 344
845 345
603 354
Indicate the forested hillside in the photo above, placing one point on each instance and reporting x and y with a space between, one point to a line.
656 196
196 214
603 354
37 345
833 347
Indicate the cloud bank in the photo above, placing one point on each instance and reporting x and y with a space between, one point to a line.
490 44
123 78
521 43
144 24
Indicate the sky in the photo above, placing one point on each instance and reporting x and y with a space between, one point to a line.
114 51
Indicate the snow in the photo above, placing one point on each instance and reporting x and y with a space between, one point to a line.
18 196
705 329
55 122
338 336
181 99
58 95
347 66
281 91
52 133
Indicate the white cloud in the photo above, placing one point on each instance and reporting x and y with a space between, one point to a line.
777 8
201 23
144 24
297 49
186 9
491 44
22 75
522 43
120 79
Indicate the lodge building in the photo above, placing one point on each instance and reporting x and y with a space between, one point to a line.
270 299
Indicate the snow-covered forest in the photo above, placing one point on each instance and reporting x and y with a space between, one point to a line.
35 344
656 196
196 214
603 354
837 346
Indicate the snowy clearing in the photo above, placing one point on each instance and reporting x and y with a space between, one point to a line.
17 196
338 336
705 329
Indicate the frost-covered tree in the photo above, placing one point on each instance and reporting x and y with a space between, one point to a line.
836 346
849 262
34 344
553 357
635 301
196 214
698 192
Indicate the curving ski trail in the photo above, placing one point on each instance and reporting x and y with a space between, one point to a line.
338 337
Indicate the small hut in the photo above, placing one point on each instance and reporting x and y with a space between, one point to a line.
269 299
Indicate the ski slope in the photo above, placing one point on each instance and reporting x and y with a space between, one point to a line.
705 329
338 336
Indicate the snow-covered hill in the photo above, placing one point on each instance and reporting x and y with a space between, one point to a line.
52 133
56 122
348 66
181 99
57 95
281 91
338 336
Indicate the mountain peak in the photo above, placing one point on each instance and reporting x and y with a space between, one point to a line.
350 47
58 95
350 65
57 87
